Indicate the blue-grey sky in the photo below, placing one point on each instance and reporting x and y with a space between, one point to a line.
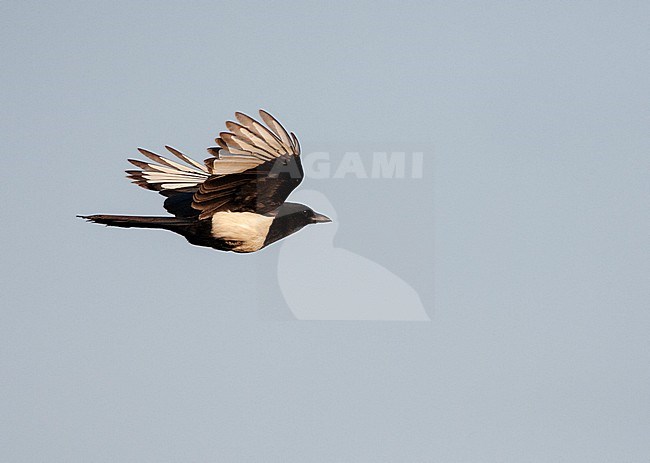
526 238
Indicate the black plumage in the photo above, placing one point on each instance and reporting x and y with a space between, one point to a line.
235 201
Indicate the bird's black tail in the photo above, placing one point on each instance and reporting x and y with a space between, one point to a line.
176 224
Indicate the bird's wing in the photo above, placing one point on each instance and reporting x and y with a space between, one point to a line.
166 176
248 144
254 170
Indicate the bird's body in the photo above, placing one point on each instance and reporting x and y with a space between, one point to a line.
244 231
236 200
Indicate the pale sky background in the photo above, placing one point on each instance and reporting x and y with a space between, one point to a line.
526 238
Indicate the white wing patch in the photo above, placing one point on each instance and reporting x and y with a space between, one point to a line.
245 231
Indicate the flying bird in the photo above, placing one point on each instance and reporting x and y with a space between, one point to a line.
235 200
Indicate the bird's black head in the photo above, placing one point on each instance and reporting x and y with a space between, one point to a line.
299 214
290 218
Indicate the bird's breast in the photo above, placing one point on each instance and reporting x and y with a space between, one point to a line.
243 231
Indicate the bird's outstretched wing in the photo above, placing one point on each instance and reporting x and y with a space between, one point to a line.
253 169
272 157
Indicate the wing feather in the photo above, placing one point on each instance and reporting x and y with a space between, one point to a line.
258 142
164 174
268 136
276 127
186 159
166 162
295 143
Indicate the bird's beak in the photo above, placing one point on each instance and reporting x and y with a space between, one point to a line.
320 218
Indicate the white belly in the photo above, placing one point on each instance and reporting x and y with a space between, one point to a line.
245 231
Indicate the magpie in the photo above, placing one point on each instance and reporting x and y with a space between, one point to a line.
235 200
